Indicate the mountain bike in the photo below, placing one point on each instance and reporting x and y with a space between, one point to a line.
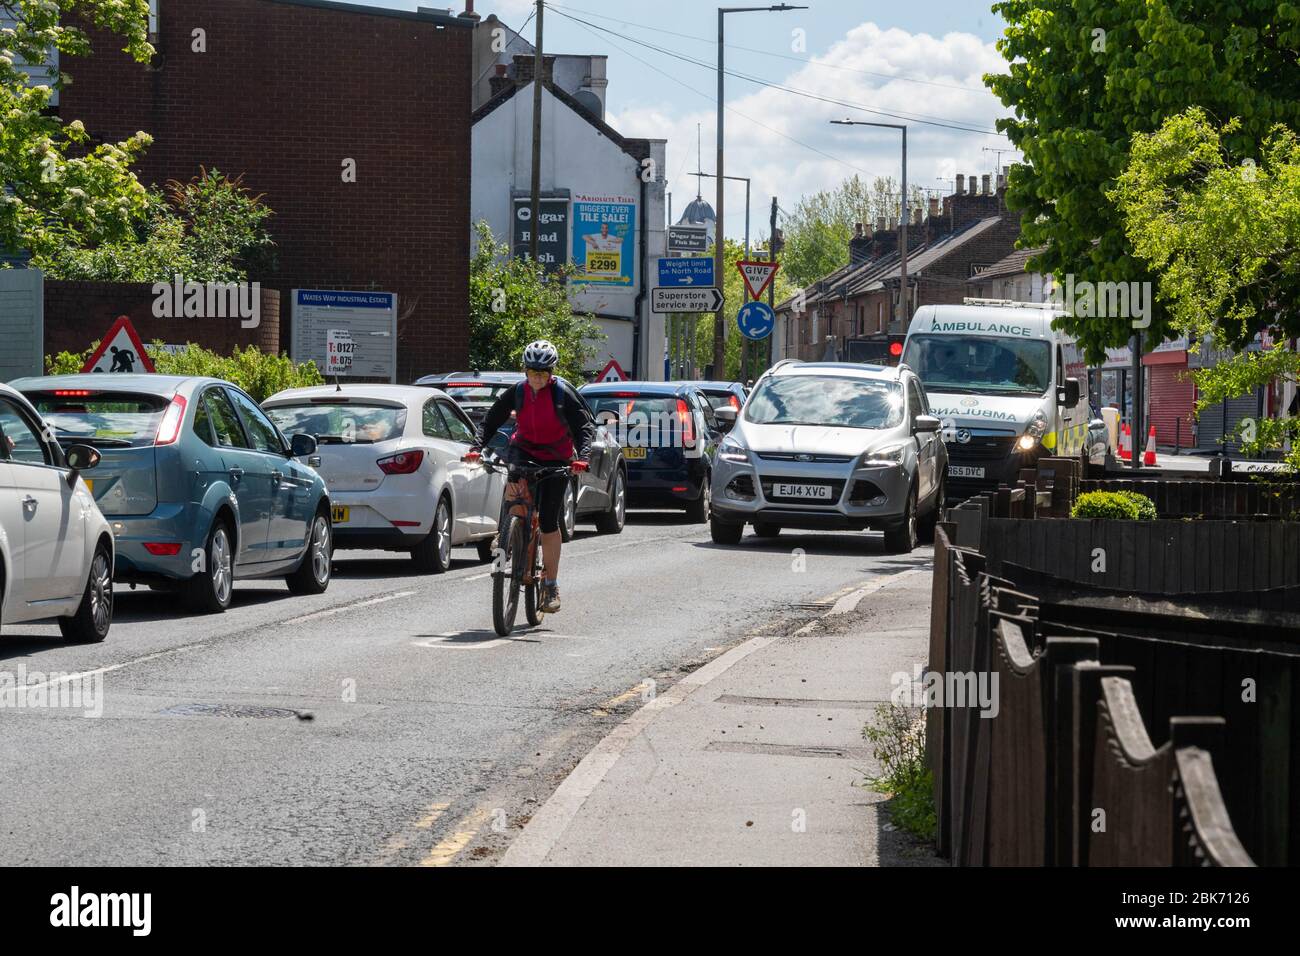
517 561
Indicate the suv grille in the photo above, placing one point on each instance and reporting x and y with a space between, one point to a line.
794 456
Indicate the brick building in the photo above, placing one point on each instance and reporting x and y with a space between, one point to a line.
284 92
948 242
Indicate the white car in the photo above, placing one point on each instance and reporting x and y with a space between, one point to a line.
56 549
391 458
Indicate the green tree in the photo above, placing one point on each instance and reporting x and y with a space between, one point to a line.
818 229
58 189
210 229
514 301
1085 76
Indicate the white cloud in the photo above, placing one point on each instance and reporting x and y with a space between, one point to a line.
782 168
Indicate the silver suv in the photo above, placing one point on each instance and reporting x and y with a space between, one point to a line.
829 445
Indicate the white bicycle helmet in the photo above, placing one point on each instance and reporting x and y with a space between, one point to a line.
541 355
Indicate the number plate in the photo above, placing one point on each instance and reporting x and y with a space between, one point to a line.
820 492
634 454
339 514
965 471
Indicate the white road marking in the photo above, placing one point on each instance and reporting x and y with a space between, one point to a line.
67 678
330 611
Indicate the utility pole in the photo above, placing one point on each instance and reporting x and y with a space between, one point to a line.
771 286
536 206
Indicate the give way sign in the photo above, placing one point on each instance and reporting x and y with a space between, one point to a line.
757 275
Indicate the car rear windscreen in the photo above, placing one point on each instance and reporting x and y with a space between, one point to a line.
475 393
103 419
718 399
343 423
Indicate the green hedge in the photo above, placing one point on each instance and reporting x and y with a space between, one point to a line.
1115 505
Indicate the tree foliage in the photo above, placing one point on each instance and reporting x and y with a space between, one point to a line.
1085 76
515 301
818 229
58 188
211 229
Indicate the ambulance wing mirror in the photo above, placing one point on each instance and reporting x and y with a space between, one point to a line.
1067 395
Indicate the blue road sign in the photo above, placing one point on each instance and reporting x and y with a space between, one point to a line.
688 271
756 320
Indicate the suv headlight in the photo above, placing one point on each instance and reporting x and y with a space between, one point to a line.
732 450
890 455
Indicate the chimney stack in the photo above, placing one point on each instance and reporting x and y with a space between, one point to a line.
974 185
988 180
880 224
1002 181
859 246
934 207
961 184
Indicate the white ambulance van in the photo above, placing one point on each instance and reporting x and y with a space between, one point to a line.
1008 388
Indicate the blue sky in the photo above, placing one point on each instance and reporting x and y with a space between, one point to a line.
923 59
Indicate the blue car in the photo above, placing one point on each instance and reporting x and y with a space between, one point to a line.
198 485
669 437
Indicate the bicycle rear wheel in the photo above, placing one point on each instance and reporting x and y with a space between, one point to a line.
506 579
533 592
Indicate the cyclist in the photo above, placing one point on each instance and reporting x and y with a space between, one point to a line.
552 427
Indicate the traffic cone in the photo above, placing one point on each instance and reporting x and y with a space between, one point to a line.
1149 456
1124 444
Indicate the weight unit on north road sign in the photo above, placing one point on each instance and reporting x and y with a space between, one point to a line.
685 300
691 272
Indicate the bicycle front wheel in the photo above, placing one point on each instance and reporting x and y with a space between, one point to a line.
507 577
533 592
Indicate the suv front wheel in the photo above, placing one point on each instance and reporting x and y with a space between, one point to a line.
902 538
725 532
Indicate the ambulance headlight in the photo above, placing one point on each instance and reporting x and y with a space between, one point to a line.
1026 442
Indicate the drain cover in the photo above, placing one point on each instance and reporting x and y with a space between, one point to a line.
226 710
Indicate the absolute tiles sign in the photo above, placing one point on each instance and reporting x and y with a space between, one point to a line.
604 240
370 317
552 233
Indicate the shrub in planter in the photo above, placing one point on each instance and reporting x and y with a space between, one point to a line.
1117 506
1146 508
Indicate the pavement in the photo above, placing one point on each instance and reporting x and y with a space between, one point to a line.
756 759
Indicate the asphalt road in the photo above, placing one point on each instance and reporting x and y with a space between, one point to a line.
382 723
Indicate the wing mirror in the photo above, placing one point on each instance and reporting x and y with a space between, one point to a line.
80 458
1067 395
302 446
925 424
726 416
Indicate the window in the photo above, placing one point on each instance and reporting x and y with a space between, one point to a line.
19 441
914 403
434 426
460 431
203 425
341 423
835 401
225 423
260 431
105 420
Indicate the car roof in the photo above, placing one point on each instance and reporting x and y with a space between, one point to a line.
405 394
879 373
487 378
645 388
717 386
146 383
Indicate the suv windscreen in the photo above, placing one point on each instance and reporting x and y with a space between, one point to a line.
981 365
831 400
104 419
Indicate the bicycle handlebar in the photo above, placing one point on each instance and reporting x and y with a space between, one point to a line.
523 471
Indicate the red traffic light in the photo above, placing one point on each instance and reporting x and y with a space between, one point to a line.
895 349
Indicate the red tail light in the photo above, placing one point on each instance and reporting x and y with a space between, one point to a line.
625 394
72 392
403 463
462 385
169 429
163 549
688 422
734 402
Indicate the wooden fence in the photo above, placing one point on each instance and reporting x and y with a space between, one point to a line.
1211 499
1064 770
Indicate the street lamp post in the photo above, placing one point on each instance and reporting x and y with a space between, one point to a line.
902 316
719 237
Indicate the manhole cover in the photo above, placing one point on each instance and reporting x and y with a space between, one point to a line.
226 710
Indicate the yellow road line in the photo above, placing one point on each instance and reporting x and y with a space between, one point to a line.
445 852
428 820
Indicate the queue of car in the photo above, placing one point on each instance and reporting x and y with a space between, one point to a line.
187 484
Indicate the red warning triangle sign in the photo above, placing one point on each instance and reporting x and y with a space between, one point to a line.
757 275
120 351
613 373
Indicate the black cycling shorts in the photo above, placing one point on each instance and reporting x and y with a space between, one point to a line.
549 491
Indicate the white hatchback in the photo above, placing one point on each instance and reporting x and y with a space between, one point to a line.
391 458
56 549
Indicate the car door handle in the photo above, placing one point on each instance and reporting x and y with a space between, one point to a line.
236 474
29 503
276 476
